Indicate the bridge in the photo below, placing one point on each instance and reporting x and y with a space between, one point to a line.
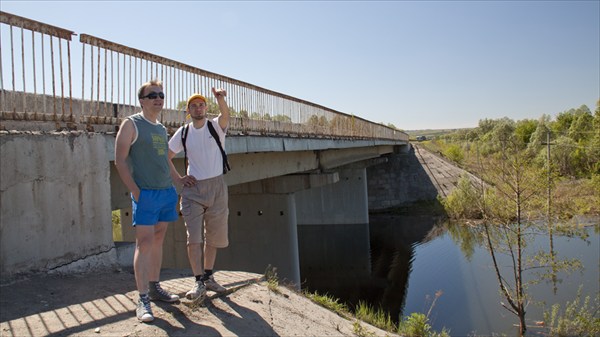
297 167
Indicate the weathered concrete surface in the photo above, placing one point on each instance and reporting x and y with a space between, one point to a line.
444 175
54 204
401 180
410 177
103 304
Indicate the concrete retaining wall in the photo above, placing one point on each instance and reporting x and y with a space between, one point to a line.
401 180
54 200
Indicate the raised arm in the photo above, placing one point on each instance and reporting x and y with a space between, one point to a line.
223 108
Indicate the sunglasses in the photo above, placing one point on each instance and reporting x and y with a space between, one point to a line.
155 95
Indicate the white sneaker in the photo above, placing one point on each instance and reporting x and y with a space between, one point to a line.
212 285
198 293
143 310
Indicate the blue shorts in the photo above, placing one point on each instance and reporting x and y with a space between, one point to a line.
154 206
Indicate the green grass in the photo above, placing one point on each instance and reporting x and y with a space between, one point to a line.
272 279
329 302
415 325
360 331
376 317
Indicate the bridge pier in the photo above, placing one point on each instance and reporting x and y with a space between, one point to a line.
300 224
333 231
263 225
262 233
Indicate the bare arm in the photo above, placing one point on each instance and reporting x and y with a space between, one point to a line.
186 180
223 108
123 142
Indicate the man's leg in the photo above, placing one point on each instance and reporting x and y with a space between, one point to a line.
198 292
194 224
215 220
196 258
142 258
210 256
160 230
156 292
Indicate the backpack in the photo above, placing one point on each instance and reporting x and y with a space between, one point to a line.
213 132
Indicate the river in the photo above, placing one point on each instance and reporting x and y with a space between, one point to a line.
409 259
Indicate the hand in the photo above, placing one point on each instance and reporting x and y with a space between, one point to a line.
136 195
188 180
219 92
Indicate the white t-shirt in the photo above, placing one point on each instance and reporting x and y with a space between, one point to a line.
204 157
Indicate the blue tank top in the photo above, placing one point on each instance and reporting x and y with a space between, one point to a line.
148 155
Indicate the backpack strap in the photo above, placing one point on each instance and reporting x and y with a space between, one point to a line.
213 132
184 133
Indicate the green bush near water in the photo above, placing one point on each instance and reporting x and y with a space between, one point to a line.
415 325
577 319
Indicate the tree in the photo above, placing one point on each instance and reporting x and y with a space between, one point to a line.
595 141
563 122
515 183
524 130
581 126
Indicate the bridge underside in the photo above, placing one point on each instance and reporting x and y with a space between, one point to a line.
281 192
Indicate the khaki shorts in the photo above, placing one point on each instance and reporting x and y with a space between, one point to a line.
205 210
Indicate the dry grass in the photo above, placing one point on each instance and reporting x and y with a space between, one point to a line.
576 197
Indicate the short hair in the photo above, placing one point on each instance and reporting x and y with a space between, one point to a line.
154 82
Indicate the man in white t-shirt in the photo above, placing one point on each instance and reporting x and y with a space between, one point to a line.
204 197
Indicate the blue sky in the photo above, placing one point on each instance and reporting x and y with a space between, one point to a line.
414 64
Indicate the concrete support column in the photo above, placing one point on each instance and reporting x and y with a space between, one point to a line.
262 233
345 202
333 232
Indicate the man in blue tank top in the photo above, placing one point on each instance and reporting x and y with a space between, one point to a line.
141 158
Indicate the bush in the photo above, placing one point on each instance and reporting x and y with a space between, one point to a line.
417 325
463 201
578 319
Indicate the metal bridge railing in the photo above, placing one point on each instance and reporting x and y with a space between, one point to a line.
43 85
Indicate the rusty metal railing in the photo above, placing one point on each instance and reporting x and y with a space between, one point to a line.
46 83
111 73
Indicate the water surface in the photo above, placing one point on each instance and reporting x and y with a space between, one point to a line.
410 258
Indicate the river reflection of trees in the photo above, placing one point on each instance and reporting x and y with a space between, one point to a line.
343 262
369 263
541 263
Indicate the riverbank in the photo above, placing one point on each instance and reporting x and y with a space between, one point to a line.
102 303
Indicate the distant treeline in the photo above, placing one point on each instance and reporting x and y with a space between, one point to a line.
572 140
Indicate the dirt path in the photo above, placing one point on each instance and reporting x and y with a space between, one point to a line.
102 303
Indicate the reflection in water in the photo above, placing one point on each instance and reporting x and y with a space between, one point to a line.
341 260
410 258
